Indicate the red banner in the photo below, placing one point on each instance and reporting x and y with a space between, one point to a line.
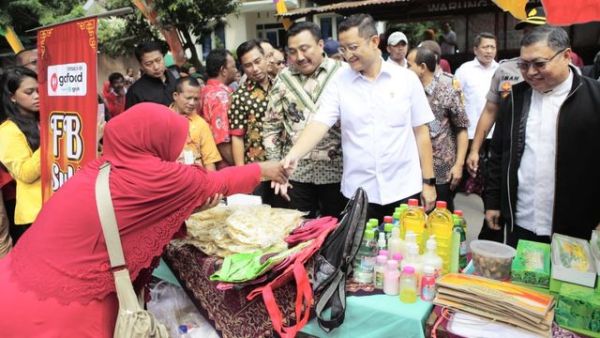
69 109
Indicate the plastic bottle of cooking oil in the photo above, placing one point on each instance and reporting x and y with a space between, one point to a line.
413 219
440 224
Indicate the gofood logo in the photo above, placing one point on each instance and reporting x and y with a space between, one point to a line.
67 80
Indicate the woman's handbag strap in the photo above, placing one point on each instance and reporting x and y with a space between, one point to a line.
107 218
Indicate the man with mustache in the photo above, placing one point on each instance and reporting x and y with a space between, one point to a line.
292 104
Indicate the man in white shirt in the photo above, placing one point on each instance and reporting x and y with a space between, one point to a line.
544 149
397 47
475 76
384 113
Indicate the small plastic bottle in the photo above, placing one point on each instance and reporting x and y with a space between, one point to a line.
428 283
379 271
431 258
391 278
395 243
398 258
408 285
381 243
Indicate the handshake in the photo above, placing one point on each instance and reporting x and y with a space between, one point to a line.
278 173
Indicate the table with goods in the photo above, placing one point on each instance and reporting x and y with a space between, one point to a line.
254 271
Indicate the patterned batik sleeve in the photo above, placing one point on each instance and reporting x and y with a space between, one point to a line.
273 127
458 116
237 114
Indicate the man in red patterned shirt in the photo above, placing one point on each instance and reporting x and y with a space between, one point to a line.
114 94
216 99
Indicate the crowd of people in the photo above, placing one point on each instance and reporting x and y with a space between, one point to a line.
315 123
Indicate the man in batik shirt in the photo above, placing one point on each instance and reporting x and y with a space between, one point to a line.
448 131
248 106
292 104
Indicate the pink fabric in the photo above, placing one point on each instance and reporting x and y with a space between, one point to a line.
62 258
445 65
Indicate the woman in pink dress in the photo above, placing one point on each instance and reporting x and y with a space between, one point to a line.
56 282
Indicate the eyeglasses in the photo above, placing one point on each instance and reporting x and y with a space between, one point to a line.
537 65
351 48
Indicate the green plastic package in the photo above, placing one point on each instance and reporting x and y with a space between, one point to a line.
531 265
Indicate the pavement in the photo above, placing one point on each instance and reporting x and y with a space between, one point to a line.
472 206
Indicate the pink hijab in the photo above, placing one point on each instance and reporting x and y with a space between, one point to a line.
63 255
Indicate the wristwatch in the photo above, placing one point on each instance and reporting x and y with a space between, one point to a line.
429 181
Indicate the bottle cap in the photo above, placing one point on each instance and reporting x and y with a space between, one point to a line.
373 221
382 236
183 329
408 269
457 222
388 227
381 259
413 202
428 269
397 257
396 232
410 236
392 264
441 204
396 214
369 234
397 209
459 212
388 219
404 205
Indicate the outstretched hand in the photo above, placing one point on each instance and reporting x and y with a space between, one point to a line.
273 171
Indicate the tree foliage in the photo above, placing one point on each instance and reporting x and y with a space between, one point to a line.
24 15
191 18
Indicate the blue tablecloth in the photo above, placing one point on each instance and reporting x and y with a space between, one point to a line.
378 316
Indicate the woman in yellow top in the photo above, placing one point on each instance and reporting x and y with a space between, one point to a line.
20 142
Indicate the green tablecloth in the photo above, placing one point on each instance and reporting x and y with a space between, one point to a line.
378 316
163 272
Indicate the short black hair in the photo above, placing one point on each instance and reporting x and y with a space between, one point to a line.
302 26
148 47
481 36
247 46
426 56
216 59
556 37
189 80
364 23
114 77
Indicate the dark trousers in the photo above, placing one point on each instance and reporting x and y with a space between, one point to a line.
517 233
15 231
379 211
444 193
269 197
317 199
490 234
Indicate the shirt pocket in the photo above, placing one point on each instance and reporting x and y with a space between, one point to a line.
395 110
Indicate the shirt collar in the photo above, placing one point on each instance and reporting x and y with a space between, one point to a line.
216 83
479 64
396 63
251 85
326 66
430 88
386 68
